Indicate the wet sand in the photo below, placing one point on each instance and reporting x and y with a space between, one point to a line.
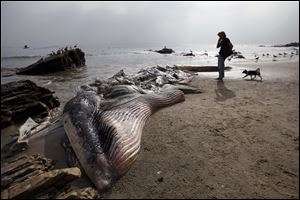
237 139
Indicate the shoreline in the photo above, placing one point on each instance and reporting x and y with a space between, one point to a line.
269 70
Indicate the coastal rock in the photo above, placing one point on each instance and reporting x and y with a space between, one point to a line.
42 183
189 54
55 62
23 167
23 99
165 50
237 54
31 177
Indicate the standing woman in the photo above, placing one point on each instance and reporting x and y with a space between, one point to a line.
225 51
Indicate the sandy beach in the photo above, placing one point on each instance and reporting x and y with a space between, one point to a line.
237 139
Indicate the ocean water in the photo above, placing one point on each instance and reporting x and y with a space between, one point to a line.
103 62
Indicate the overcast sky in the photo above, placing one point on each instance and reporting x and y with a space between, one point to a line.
142 24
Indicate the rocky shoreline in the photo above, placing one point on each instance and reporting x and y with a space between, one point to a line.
34 177
23 99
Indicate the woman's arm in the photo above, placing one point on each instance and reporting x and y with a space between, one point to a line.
219 42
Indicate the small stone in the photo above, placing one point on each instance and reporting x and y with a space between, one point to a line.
161 179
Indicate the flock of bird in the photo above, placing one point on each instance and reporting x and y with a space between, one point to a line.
284 54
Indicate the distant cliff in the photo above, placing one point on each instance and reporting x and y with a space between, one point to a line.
292 44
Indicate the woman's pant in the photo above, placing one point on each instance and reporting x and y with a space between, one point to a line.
221 65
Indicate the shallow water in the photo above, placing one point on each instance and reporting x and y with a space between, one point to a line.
105 62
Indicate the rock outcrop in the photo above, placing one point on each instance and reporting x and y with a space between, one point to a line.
55 62
165 50
189 54
23 99
34 177
237 54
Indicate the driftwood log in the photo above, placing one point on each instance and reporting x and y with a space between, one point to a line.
23 99
55 62
200 68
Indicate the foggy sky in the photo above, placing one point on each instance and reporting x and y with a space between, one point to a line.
142 24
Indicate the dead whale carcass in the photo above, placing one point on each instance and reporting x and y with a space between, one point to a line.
106 134
148 79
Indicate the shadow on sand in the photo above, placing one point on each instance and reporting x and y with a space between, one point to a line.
253 80
223 93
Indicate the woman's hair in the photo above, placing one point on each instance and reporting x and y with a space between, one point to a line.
222 34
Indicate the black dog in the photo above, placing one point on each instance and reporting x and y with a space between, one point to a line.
252 73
